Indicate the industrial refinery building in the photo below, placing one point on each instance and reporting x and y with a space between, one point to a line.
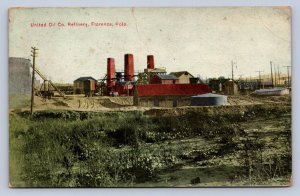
167 95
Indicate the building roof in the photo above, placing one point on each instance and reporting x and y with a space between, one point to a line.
229 81
180 73
85 78
171 89
167 77
210 95
156 70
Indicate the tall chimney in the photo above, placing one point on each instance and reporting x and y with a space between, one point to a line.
111 72
150 62
128 67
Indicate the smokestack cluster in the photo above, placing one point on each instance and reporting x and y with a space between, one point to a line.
128 67
111 72
150 62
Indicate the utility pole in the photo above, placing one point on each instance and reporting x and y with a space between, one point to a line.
34 54
232 70
271 74
288 75
278 75
275 75
259 77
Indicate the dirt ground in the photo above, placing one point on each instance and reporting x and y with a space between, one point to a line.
105 103
255 99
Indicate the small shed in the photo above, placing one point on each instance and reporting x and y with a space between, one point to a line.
217 85
85 85
184 77
230 88
164 79
208 99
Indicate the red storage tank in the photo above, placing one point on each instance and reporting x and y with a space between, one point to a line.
128 67
111 72
150 62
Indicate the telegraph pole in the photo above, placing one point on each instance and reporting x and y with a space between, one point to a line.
278 72
275 75
271 74
232 70
288 75
259 77
34 54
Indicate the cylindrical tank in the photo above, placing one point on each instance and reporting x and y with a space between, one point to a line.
128 67
208 99
150 62
111 72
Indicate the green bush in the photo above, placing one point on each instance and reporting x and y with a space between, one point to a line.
97 149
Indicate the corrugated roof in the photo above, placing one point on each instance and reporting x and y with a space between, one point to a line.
171 89
85 78
167 77
179 73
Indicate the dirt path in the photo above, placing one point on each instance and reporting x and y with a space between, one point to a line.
105 103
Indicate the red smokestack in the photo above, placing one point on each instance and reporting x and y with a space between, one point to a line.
150 62
129 67
111 72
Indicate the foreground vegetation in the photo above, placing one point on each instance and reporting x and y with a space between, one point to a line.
87 149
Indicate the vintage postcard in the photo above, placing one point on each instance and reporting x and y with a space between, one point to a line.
150 97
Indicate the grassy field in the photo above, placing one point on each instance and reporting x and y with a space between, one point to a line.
132 149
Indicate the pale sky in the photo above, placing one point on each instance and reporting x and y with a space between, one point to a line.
202 41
